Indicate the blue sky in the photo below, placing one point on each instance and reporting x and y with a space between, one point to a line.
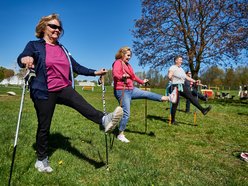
94 29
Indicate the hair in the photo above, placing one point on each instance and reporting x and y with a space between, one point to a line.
187 72
178 56
122 51
40 27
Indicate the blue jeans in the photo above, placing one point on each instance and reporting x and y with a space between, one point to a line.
136 93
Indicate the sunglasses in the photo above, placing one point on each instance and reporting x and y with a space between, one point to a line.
53 26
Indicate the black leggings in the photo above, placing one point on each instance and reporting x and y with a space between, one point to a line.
45 109
188 95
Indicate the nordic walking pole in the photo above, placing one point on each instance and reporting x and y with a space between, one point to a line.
17 131
26 78
101 81
147 83
145 115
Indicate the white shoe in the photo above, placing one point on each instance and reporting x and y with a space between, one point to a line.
173 96
43 166
244 156
111 120
122 138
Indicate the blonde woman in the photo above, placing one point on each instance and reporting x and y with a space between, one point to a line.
125 91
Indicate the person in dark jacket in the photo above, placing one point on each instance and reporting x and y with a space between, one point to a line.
193 87
54 84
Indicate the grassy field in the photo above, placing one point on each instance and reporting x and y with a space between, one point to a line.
206 154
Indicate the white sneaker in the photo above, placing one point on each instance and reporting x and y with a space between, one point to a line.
111 120
122 138
244 156
173 96
43 166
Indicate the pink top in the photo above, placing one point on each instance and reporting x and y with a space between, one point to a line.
120 68
58 68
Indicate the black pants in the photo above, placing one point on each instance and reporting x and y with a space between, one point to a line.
187 105
188 95
45 109
196 94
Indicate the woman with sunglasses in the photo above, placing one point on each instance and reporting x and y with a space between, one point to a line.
54 68
125 91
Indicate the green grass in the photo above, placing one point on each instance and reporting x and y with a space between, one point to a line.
206 154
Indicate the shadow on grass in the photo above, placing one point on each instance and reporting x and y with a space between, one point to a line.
239 103
58 141
116 132
178 109
242 114
151 134
151 117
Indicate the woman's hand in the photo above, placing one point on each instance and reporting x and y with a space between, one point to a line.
28 61
146 81
125 75
101 72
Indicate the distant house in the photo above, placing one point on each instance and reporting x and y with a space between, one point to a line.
87 85
14 80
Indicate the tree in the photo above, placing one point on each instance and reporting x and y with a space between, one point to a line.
5 73
229 79
22 72
108 79
141 75
204 31
213 76
242 75
1 73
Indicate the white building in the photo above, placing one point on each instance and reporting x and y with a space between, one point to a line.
14 80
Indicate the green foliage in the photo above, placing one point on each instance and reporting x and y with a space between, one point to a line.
214 76
207 154
5 73
231 78
155 78
204 32
1 74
